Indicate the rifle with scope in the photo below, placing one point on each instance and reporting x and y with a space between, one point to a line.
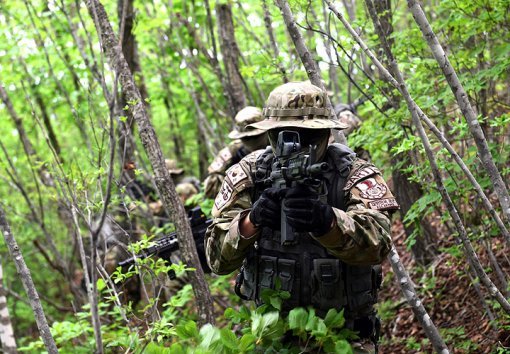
291 167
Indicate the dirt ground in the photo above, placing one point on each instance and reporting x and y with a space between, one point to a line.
450 299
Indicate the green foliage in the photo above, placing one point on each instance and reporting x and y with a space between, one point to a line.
52 84
458 335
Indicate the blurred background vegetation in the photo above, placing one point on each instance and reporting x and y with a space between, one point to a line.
60 100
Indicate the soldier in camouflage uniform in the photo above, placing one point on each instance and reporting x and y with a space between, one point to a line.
245 141
185 186
343 230
178 175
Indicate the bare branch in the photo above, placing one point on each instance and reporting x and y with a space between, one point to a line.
311 67
416 305
465 106
6 332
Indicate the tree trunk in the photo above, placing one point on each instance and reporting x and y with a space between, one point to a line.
28 284
272 41
328 43
164 183
230 53
127 144
407 193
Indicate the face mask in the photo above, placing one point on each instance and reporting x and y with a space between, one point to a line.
307 137
256 142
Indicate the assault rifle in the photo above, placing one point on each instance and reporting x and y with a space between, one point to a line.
291 167
168 244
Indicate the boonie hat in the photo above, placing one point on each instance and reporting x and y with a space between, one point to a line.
300 105
243 118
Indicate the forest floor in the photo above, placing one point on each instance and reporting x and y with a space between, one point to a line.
450 299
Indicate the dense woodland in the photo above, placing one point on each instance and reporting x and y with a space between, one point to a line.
88 87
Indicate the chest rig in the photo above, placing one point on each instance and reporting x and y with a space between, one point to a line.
305 269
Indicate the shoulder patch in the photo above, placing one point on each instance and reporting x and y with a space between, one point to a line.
360 174
384 204
225 154
373 192
223 196
236 174
371 189
237 179
221 161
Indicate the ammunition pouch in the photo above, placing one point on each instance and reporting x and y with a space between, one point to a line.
328 290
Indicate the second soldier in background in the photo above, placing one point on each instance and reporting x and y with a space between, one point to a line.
245 140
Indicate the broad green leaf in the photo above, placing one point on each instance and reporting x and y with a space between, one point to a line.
228 338
209 335
262 324
298 318
187 330
334 319
247 342
343 347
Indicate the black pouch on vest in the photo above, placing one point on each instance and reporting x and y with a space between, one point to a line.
286 273
267 272
361 289
328 290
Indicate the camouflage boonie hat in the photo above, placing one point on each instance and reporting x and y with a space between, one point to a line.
300 105
245 116
171 166
186 189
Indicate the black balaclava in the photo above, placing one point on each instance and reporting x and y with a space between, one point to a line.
307 137
252 143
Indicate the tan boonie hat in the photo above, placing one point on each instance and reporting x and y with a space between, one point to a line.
186 189
245 116
300 105
171 166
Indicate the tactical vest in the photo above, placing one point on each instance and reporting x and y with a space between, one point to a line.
305 269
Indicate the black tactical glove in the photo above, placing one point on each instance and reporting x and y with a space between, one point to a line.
266 210
305 212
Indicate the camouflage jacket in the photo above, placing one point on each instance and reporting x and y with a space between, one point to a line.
216 170
361 235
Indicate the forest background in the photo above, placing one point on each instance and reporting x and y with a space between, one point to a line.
72 118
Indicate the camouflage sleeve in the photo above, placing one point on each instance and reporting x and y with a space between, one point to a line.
217 168
212 184
362 233
225 247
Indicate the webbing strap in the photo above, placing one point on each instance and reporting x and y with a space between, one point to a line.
297 112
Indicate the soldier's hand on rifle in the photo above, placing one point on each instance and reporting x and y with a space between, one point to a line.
305 212
267 209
